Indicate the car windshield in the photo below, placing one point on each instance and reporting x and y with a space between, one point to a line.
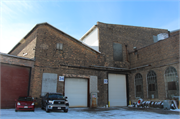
55 96
25 99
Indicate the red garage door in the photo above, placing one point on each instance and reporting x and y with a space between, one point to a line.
14 83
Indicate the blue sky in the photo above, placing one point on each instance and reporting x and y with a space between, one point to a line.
76 17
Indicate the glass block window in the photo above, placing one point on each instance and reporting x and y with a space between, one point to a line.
139 85
171 82
152 85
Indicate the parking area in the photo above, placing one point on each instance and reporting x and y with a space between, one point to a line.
93 113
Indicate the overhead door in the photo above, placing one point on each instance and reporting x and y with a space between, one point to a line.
14 83
117 90
76 91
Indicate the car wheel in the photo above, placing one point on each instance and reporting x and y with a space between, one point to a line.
15 110
66 110
47 110
42 107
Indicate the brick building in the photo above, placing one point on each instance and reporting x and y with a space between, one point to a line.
136 62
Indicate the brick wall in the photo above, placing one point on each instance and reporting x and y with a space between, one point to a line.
23 45
29 50
126 35
49 60
160 56
15 60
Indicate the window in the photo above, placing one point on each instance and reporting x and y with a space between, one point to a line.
171 85
59 46
171 82
139 85
171 73
117 52
151 87
152 84
138 88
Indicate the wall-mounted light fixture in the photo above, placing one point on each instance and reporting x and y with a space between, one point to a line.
135 48
59 46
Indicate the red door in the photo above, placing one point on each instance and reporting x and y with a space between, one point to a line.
14 83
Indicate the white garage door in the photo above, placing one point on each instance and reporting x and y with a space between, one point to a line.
117 90
76 91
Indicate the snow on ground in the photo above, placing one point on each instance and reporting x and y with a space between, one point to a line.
82 113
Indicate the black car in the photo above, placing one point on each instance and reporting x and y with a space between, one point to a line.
54 101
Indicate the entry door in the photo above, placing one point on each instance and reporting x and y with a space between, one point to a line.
117 90
76 91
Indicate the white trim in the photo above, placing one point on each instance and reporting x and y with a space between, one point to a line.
88 32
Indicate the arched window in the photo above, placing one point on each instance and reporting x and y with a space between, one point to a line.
152 85
171 85
139 85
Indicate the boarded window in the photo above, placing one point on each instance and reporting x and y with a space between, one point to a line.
171 85
117 52
49 83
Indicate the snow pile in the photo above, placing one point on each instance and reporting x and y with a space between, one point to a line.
80 113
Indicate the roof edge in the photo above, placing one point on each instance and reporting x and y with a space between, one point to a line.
175 30
45 23
16 56
130 26
88 32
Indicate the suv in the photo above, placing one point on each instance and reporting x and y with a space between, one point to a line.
54 101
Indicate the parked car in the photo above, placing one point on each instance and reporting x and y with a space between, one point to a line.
54 101
24 103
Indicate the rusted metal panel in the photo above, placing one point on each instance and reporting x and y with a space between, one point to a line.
93 100
14 83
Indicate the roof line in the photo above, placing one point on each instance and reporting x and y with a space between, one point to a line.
131 26
23 38
88 32
16 56
74 39
175 30
154 43
45 23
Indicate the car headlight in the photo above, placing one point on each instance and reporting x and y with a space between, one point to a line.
32 103
18 103
66 102
50 102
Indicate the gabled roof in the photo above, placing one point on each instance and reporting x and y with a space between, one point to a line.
72 38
